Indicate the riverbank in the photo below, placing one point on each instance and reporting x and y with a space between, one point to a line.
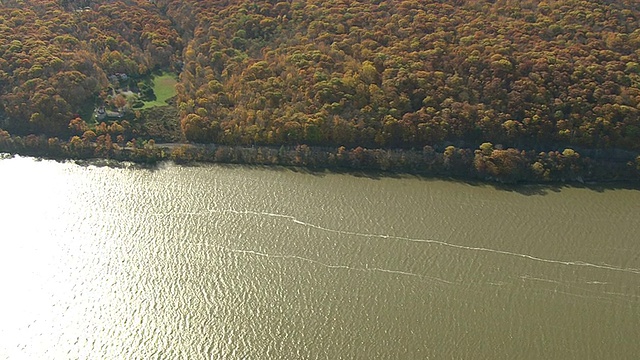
487 163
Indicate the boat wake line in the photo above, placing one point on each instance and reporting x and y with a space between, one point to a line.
432 241
330 266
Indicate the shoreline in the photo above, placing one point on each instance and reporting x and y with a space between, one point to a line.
524 187
500 167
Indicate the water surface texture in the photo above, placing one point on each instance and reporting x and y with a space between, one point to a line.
219 262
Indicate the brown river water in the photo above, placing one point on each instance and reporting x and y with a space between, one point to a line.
231 262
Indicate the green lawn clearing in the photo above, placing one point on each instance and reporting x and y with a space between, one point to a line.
164 86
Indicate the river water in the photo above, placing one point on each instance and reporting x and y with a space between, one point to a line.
228 262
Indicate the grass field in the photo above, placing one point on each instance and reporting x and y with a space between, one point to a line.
164 86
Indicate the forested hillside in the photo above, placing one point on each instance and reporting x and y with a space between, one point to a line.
411 73
56 56
379 73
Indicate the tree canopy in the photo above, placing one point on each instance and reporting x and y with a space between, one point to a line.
373 73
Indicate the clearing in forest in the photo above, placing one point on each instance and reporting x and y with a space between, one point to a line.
164 86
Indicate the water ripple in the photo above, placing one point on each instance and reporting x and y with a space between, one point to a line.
330 266
437 242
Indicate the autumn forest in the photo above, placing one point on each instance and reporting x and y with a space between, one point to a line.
495 89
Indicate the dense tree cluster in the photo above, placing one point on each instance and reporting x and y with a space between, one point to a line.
410 73
56 56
